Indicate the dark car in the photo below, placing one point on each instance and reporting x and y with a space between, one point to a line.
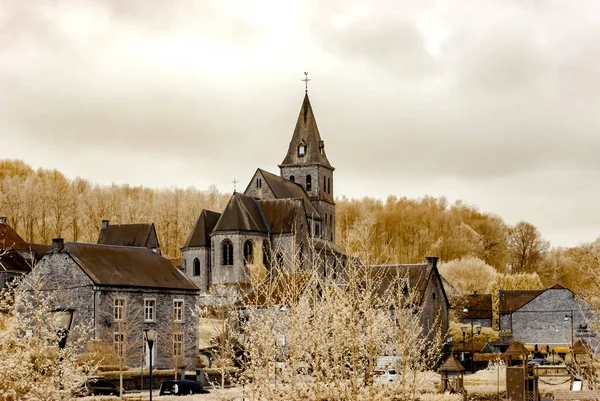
99 387
181 387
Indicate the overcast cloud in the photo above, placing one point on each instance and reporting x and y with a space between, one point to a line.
493 102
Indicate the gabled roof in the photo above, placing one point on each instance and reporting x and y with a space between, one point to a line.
479 306
9 239
241 214
451 364
283 189
109 265
516 348
282 214
129 235
39 250
13 262
200 235
418 276
306 132
511 300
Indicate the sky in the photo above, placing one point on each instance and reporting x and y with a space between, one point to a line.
494 102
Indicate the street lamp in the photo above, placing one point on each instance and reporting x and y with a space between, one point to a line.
570 317
63 319
464 331
466 310
150 339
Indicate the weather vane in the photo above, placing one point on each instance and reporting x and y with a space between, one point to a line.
234 182
305 80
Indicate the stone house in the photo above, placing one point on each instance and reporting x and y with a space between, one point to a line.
429 294
553 316
123 291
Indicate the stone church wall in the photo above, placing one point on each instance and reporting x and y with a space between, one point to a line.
204 256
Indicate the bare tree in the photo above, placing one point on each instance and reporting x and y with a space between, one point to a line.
527 248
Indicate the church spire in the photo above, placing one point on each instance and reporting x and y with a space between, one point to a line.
306 146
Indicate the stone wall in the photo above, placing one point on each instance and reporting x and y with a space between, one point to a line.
204 256
238 272
434 305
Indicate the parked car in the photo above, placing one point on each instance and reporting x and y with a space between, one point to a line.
98 387
385 375
181 387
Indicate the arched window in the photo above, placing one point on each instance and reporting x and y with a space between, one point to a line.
266 253
308 183
279 260
433 295
248 252
196 267
227 253
292 178
328 185
324 184
301 150
317 229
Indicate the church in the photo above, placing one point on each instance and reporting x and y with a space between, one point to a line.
280 220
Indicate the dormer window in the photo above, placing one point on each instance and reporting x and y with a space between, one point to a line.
301 150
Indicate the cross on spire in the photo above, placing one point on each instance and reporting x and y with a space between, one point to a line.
234 182
305 80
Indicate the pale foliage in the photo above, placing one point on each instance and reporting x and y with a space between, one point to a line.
468 274
32 366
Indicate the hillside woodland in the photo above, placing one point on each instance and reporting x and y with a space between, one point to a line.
43 204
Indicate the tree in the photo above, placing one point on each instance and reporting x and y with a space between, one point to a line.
32 365
527 248
468 274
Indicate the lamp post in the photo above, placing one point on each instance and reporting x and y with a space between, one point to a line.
150 339
464 331
466 311
63 318
570 317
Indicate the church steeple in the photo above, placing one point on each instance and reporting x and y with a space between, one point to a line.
306 164
306 146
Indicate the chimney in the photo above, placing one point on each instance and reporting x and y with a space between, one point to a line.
2 220
104 224
432 260
57 245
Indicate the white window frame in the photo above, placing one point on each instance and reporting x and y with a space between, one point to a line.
153 317
119 309
177 340
119 344
175 315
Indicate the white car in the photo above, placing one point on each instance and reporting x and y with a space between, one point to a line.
385 375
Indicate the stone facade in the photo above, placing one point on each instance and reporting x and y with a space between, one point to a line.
203 256
435 304
546 320
95 304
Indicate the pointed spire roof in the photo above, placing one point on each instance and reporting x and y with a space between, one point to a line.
516 348
452 365
306 133
200 235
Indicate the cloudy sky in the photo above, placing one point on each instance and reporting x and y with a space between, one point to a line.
495 102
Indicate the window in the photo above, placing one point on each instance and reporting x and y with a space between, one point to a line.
184 266
149 308
258 183
328 185
177 344
301 150
248 252
208 278
308 183
324 184
227 253
433 295
196 267
119 309
317 229
292 178
119 340
178 310
325 222
279 260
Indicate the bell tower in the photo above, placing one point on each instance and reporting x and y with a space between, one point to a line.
307 165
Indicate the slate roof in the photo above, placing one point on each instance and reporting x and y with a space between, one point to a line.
307 132
39 250
322 244
128 235
479 306
14 262
200 235
512 300
109 265
282 215
241 214
418 276
283 189
9 239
